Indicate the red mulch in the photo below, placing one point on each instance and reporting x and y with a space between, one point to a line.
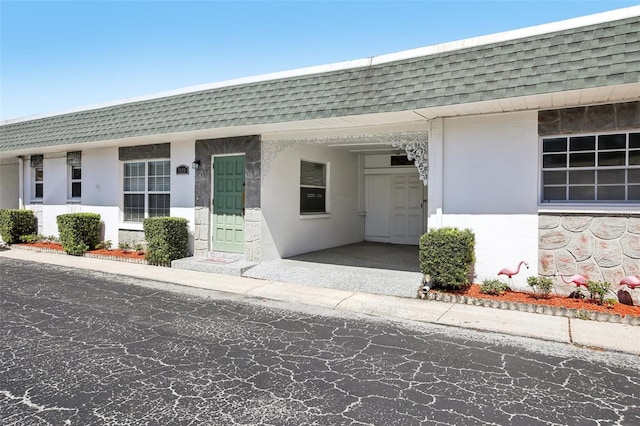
553 300
131 254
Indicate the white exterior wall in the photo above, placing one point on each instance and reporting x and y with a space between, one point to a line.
100 185
182 186
9 184
54 199
284 231
490 185
102 189
182 194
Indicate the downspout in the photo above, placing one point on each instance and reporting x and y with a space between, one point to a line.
20 182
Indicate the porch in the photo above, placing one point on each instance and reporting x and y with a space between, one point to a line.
378 268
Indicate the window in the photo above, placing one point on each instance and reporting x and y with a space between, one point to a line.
401 160
38 182
146 187
602 168
75 181
313 188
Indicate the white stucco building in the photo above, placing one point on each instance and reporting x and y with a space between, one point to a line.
531 138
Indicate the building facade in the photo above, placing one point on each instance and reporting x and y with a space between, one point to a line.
530 138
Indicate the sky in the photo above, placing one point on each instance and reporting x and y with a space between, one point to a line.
59 55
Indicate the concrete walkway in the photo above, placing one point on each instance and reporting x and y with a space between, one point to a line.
597 335
367 267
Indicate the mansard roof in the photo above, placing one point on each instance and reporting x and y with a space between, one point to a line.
590 56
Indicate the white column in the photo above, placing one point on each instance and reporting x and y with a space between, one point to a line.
20 182
436 173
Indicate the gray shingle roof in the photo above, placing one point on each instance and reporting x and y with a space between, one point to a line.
592 56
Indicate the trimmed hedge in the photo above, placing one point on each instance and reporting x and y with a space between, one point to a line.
447 256
79 232
167 239
15 223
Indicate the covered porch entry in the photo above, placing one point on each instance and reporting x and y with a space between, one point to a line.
371 188
392 183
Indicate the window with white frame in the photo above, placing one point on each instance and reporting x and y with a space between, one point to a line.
146 187
38 182
313 188
593 168
75 182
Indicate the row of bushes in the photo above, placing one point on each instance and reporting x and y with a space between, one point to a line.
167 237
446 254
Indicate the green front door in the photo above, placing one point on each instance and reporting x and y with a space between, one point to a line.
228 204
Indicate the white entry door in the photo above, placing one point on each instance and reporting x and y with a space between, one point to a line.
394 208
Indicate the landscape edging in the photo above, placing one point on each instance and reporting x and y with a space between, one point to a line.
533 308
90 255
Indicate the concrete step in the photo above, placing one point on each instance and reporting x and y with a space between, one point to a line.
234 265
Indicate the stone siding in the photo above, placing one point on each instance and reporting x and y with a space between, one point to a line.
131 236
201 231
589 119
250 146
600 247
252 241
144 152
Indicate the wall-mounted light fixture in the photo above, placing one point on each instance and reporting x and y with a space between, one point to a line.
195 165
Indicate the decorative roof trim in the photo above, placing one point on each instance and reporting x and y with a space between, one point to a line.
573 23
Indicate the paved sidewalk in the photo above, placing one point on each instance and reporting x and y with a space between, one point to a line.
592 334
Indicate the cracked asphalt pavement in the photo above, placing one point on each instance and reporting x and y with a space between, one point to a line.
84 348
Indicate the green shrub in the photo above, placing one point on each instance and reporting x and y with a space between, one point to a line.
542 286
104 245
15 223
493 286
124 245
447 256
598 289
79 232
167 239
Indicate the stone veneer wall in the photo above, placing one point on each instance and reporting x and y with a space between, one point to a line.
144 152
594 118
131 236
600 247
250 146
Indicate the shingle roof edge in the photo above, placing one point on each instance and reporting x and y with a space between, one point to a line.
573 23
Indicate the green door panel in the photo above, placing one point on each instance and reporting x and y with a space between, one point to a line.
228 204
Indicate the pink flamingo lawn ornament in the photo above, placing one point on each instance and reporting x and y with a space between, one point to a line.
511 272
577 279
631 282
